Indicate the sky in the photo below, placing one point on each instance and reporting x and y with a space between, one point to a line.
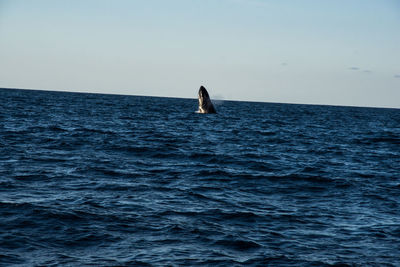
342 52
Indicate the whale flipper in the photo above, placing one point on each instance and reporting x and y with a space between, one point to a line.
205 104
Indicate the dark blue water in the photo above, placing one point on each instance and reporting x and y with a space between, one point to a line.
107 180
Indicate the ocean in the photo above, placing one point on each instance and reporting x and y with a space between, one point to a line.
112 180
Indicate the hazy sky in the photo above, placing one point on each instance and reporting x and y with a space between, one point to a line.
342 52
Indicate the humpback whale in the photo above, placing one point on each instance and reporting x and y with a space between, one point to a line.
205 104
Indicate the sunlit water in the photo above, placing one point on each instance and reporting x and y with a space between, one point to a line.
90 179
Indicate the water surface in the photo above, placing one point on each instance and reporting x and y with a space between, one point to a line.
91 179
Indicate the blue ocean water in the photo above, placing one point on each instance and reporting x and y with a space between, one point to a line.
109 180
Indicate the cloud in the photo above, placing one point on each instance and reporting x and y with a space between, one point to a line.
361 70
397 76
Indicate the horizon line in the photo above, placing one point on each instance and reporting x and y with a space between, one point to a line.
179 97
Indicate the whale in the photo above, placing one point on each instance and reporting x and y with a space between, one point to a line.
205 104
